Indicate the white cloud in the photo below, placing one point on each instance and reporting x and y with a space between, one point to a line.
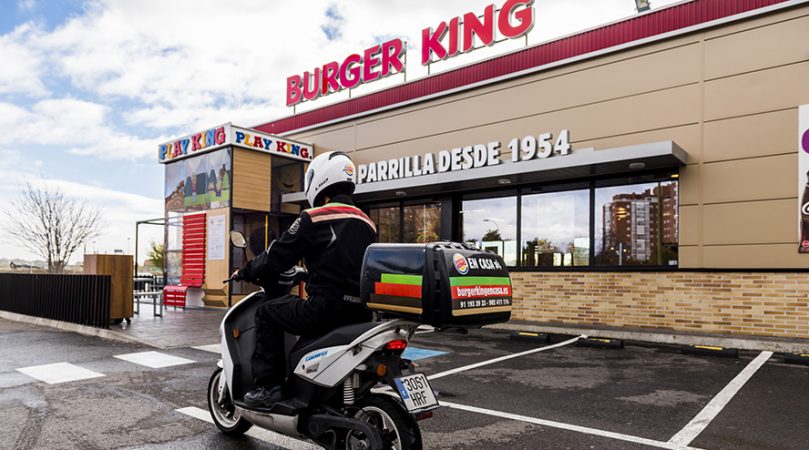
26 5
80 126
119 77
197 63
120 210
22 63
187 65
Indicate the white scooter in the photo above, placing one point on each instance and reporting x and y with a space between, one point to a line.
349 389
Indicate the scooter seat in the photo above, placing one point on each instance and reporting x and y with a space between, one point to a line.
340 336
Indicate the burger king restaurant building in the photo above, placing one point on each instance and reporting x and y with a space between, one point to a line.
644 175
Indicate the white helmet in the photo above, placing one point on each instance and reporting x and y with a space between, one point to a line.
326 171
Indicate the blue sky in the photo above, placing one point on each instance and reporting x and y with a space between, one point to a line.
89 88
15 12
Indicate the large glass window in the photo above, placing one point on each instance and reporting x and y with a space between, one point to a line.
407 223
556 229
636 224
626 222
254 226
174 247
422 223
388 223
491 224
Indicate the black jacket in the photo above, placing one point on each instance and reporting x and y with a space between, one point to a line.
331 240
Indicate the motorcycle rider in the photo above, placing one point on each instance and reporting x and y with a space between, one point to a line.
331 239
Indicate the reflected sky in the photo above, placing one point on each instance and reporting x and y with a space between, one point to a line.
493 214
558 217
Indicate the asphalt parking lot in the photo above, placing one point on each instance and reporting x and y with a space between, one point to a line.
495 392
638 397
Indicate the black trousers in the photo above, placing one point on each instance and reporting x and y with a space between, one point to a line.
316 316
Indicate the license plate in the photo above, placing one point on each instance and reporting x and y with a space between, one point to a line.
416 392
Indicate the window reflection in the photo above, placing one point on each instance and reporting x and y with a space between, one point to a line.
422 223
388 223
491 224
556 229
637 224
633 224
254 227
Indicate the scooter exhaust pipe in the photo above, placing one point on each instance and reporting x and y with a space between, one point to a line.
279 423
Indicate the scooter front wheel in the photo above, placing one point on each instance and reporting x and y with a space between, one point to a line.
222 409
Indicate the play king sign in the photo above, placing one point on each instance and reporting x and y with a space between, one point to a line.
230 135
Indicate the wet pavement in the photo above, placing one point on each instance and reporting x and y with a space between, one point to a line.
178 327
566 397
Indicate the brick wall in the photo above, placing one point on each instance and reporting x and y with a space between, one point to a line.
763 304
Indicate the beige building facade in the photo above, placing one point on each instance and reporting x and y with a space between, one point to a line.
726 93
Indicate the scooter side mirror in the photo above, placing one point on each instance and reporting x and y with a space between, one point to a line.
237 239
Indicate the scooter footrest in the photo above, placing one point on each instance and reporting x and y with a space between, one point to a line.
284 408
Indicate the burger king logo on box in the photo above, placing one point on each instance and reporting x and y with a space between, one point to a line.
461 264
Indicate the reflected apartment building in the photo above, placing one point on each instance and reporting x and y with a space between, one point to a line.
641 228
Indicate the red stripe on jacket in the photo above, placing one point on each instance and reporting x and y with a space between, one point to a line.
327 213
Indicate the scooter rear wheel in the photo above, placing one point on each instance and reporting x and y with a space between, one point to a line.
224 413
398 428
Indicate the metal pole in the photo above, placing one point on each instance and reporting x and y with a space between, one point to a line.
135 275
405 62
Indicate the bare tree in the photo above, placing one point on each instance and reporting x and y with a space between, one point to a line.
50 225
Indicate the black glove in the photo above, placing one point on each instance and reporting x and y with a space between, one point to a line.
239 275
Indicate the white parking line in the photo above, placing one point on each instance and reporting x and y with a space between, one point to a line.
154 360
712 409
213 348
565 426
504 358
59 373
255 432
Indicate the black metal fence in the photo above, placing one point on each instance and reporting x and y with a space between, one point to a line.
148 283
82 299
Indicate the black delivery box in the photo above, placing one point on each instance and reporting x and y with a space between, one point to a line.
442 284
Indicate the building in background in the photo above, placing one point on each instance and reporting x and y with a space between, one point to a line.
641 228
638 175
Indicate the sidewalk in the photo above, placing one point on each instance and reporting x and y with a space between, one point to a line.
661 336
177 328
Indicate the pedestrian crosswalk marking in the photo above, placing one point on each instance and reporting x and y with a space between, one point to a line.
59 373
154 360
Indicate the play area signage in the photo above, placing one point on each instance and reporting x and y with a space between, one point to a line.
230 135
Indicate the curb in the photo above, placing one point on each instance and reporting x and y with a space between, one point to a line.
606 344
527 336
707 350
73 328
662 338
802 359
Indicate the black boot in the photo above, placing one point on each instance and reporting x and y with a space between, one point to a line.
263 397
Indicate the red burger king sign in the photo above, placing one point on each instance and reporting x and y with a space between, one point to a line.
462 34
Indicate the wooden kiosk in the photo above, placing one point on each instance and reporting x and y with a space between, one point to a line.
119 268
222 179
